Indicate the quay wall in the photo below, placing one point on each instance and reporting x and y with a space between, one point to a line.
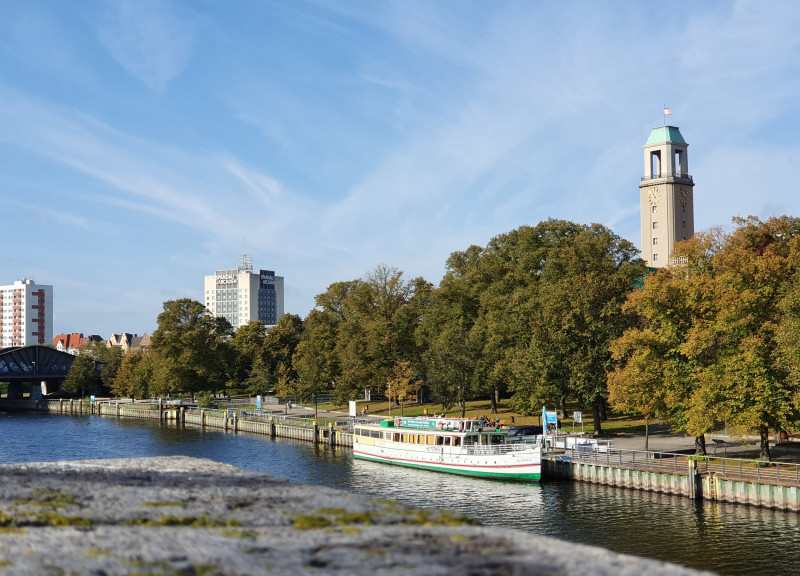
678 483
763 493
691 483
275 426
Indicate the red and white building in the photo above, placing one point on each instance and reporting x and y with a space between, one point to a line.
26 314
71 343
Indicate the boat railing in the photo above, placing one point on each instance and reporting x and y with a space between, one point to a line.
496 448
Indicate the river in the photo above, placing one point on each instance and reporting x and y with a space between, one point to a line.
725 538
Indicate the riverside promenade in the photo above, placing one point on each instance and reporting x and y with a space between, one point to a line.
730 472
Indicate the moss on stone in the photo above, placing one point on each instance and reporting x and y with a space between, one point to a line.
348 518
310 522
332 511
59 520
165 503
47 498
202 521
238 533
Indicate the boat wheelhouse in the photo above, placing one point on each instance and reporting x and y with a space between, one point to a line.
465 446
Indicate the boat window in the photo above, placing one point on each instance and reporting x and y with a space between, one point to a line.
405 438
439 440
375 433
497 439
387 435
469 440
447 441
456 441
357 431
430 439
397 436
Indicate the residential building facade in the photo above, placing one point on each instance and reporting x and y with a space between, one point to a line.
129 342
71 343
666 195
26 314
241 295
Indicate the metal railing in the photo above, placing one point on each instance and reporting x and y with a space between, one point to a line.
739 468
684 175
497 448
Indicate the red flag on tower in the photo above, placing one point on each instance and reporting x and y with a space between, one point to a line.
667 111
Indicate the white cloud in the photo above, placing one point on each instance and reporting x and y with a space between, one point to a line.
150 39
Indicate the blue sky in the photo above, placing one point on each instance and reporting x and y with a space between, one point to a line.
147 143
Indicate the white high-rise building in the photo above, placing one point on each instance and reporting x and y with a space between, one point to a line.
26 314
242 296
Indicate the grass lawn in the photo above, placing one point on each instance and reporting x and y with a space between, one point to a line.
616 423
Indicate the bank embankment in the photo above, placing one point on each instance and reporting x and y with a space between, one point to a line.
190 516
771 485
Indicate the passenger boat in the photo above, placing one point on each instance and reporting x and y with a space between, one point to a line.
463 446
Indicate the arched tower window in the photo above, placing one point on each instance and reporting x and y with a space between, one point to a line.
655 164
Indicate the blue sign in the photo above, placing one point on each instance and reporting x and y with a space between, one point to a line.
258 401
549 418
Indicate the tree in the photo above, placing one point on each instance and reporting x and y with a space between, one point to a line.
402 382
552 307
370 324
134 375
279 348
637 386
445 334
314 359
111 357
83 376
748 380
190 350
656 372
248 344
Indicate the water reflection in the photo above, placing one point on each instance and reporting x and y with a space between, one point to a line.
725 538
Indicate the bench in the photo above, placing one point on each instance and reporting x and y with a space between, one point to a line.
721 443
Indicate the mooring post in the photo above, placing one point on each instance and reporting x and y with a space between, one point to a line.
316 432
272 426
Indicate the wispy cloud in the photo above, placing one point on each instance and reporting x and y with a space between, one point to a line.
150 39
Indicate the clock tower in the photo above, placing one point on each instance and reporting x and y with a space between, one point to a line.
666 195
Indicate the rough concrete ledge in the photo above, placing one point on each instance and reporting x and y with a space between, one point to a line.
192 516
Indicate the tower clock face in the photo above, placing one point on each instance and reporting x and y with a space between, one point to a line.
684 195
654 196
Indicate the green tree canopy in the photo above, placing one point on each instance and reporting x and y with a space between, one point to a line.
190 350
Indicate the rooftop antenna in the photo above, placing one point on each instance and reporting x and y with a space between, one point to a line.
245 263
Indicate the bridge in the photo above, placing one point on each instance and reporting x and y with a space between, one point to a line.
37 365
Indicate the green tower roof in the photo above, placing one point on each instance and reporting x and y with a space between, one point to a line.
665 134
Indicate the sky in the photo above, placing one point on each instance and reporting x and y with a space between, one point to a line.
145 144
